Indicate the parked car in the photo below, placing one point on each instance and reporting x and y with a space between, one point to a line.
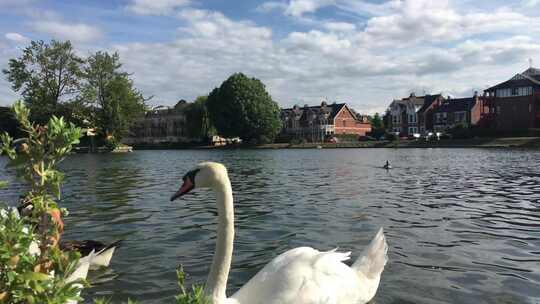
333 140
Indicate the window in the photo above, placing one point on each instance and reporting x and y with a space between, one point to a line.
459 117
344 123
511 92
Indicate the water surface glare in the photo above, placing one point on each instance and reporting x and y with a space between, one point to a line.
462 224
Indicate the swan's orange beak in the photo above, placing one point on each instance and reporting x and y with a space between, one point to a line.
186 187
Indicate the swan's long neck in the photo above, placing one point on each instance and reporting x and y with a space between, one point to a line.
219 271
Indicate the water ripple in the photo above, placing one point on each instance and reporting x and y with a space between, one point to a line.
462 224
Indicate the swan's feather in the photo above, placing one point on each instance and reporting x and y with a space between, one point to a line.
372 260
305 275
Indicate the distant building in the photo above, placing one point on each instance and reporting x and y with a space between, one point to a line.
160 125
466 112
515 103
403 115
316 123
425 113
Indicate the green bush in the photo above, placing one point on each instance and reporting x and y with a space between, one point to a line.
347 137
32 267
194 296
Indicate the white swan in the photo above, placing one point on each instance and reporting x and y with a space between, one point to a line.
302 275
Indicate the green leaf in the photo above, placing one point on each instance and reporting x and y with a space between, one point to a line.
34 276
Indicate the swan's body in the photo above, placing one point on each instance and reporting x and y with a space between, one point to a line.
301 276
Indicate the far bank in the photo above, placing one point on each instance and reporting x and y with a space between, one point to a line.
508 142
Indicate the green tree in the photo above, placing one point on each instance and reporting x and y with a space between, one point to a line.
377 122
198 119
47 76
242 107
113 102
377 126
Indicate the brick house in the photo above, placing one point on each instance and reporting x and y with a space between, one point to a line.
315 123
413 114
515 103
425 113
458 111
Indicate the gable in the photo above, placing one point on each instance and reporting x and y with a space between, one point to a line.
345 114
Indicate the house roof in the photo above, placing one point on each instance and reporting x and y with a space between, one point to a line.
530 77
428 100
331 109
456 105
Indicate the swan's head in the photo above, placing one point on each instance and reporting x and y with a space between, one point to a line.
204 175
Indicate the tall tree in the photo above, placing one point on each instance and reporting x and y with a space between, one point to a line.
46 75
377 126
113 101
198 119
377 122
242 107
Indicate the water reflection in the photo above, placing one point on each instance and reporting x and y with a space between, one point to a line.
462 224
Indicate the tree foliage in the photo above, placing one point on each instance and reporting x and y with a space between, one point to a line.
377 126
113 101
376 122
198 119
48 76
242 107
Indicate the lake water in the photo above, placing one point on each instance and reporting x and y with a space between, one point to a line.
463 225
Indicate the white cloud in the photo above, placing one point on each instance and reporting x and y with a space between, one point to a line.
16 37
419 21
297 8
531 3
78 32
156 7
340 26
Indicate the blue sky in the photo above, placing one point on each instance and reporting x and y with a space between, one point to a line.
365 53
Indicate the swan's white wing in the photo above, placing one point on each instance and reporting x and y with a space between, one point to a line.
303 275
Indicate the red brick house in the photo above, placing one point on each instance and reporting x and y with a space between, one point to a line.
425 113
515 103
316 123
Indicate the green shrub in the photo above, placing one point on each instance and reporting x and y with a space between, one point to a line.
32 267
194 296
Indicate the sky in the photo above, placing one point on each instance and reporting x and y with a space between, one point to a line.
362 52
